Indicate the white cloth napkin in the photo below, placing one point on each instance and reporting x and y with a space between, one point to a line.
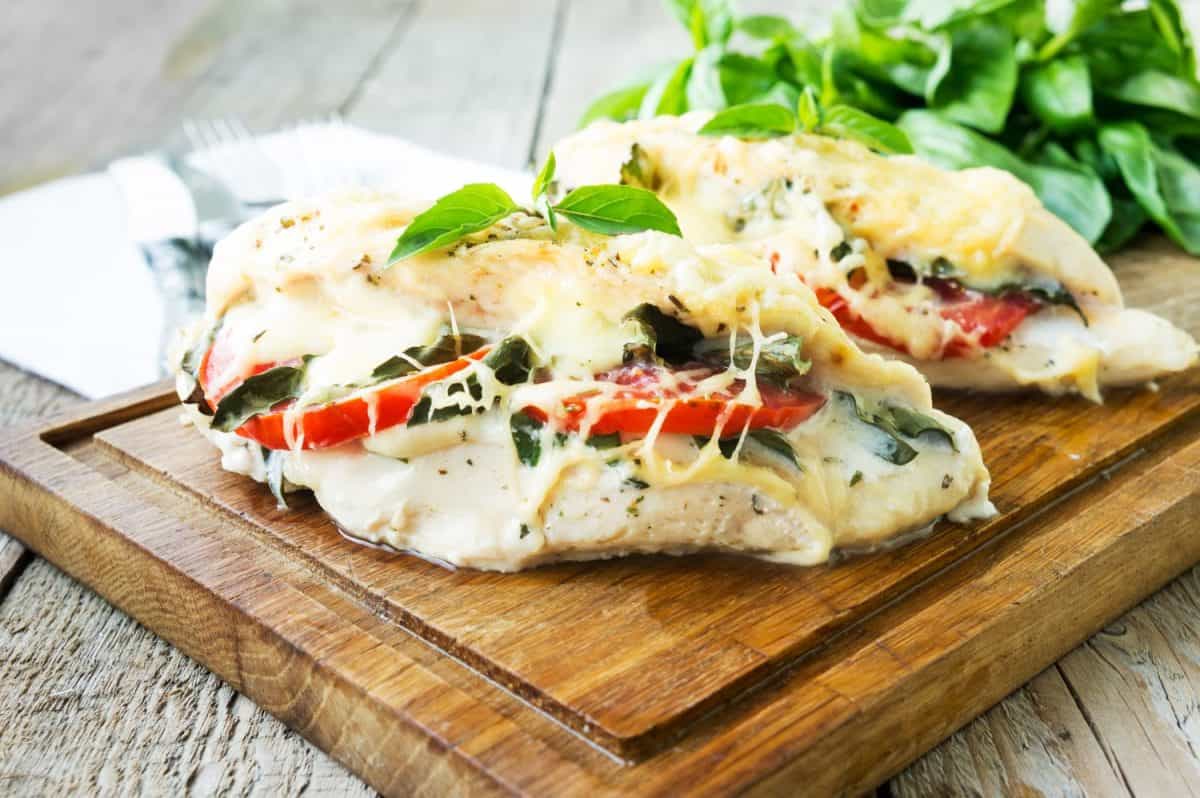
78 304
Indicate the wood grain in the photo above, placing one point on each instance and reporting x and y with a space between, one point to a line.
124 75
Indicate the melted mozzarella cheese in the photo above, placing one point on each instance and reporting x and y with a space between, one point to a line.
457 489
791 201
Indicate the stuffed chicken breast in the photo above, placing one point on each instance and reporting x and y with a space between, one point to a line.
965 274
523 395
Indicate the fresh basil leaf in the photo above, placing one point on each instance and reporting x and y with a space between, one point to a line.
620 104
423 411
609 441
776 443
658 336
1169 19
1060 93
808 111
928 14
542 186
527 438
667 96
510 360
545 177
616 210
895 422
258 394
779 361
709 21
1143 166
907 58
1127 221
850 123
1084 14
474 207
760 121
766 26
446 348
1156 89
979 87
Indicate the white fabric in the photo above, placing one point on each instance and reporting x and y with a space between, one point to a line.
78 304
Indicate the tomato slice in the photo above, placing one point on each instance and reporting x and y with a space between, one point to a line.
634 409
340 421
985 320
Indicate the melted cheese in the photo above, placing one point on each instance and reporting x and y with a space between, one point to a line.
791 201
457 490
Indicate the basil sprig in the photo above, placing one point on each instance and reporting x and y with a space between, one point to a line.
258 394
608 210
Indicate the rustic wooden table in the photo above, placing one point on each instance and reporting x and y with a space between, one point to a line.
92 703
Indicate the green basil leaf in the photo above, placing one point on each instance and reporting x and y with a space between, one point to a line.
610 441
850 123
775 443
766 26
658 336
1157 89
808 111
257 395
1165 183
472 208
510 360
445 349
542 186
979 87
1060 93
779 361
616 210
895 422
1084 15
545 177
620 104
424 413
907 58
1127 221
527 438
762 121
639 170
709 21
667 96
1168 18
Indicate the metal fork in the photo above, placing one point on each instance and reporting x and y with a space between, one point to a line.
226 149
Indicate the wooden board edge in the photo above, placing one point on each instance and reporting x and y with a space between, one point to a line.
260 657
981 669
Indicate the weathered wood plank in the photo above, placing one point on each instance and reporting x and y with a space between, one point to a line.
1035 743
130 71
91 703
465 77
1140 682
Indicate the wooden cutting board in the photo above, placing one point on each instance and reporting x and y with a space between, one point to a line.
654 675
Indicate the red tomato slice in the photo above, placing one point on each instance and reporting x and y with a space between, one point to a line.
634 410
343 420
992 318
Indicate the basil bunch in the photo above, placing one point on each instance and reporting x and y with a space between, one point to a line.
1098 111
